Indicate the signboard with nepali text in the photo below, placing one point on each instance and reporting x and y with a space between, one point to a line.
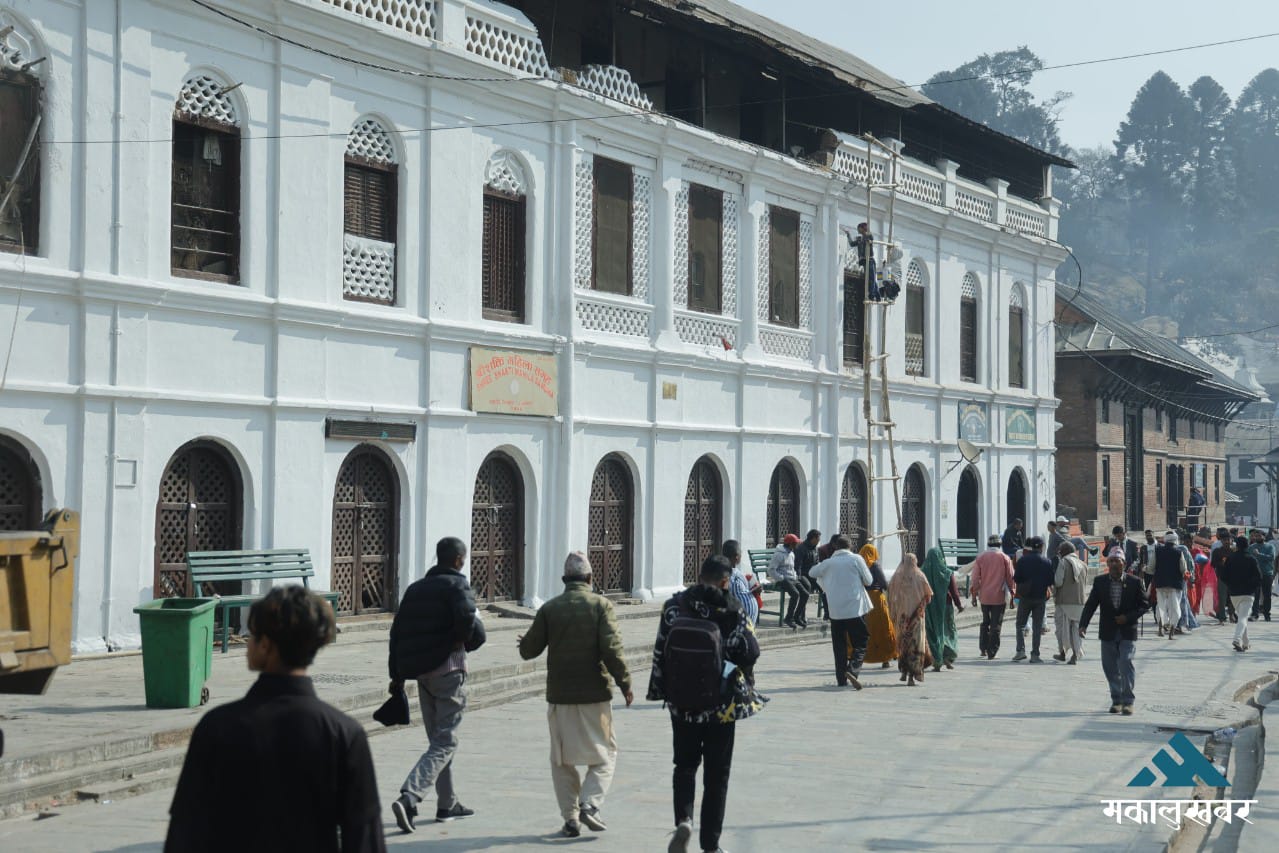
514 383
1019 425
973 423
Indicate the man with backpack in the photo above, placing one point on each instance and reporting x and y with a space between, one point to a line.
705 646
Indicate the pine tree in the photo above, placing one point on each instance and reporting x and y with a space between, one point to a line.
1255 143
1212 184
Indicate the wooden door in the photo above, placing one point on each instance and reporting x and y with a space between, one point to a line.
703 512
365 533
20 497
198 510
497 531
783 504
609 527
852 507
914 519
968 507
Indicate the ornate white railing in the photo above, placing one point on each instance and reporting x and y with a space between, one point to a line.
1026 221
711 330
975 206
612 82
415 17
505 36
368 269
786 343
616 315
921 188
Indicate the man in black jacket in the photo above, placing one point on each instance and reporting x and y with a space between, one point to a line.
278 769
805 558
1122 602
1119 539
1034 577
433 630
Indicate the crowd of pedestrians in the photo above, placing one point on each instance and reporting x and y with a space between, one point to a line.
317 764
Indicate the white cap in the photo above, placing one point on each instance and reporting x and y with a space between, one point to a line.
1061 519
1170 537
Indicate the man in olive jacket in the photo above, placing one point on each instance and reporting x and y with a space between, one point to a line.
579 630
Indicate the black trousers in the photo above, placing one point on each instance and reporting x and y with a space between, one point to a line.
992 623
1030 610
842 633
797 592
1261 604
696 742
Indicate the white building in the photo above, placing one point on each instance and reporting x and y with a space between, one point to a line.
254 276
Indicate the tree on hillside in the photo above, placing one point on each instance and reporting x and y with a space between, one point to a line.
1211 192
1153 152
991 89
1255 136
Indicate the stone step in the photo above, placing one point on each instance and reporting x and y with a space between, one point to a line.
135 784
60 789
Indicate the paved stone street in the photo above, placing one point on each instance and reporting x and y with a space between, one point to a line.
993 755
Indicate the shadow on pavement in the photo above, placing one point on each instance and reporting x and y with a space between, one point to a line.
492 841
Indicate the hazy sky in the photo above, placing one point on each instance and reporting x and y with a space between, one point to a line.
914 39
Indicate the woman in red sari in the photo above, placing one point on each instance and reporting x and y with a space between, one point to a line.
1204 592
908 595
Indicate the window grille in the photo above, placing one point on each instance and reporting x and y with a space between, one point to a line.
19 108
783 267
705 249
614 188
503 264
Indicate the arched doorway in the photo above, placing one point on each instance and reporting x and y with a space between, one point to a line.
968 507
497 531
1017 499
783 504
199 509
366 513
852 506
914 512
609 526
703 512
21 500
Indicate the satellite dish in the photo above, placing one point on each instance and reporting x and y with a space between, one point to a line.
970 451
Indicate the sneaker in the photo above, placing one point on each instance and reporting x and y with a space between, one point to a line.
1126 711
458 810
1019 656
590 815
571 829
405 812
679 841
1116 708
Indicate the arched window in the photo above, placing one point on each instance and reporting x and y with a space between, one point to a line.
916 313
852 506
783 504
20 497
914 512
22 61
370 184
1017 339
968 506
205 198
1016 498
505 238
610 524
968 329
703 514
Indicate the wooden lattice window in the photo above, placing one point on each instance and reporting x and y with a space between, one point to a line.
19 108
205 238
503 266
915 350
703 511
914 512
610 524
783 267
369 203
705 249
1016 346
782 514
854 317
968 329
852 506
20 495
613 225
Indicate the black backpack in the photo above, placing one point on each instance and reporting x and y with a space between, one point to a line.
693 663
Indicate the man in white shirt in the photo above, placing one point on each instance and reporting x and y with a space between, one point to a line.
845 577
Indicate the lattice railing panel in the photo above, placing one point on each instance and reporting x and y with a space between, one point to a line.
681 245
914 354
415 17
206 98
370 141
762 291
368 269
641 221
921 188
583 210
613 82
710 330
731 230
786 343
805 272
1025 221
600 315
850 165
495 41
975 206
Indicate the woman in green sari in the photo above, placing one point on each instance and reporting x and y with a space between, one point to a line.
939 618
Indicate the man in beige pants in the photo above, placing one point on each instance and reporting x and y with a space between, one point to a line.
579 631
1071 586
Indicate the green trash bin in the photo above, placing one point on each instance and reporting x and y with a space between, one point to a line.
177 650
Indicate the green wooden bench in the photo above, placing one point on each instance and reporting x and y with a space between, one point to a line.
273 565
959 552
